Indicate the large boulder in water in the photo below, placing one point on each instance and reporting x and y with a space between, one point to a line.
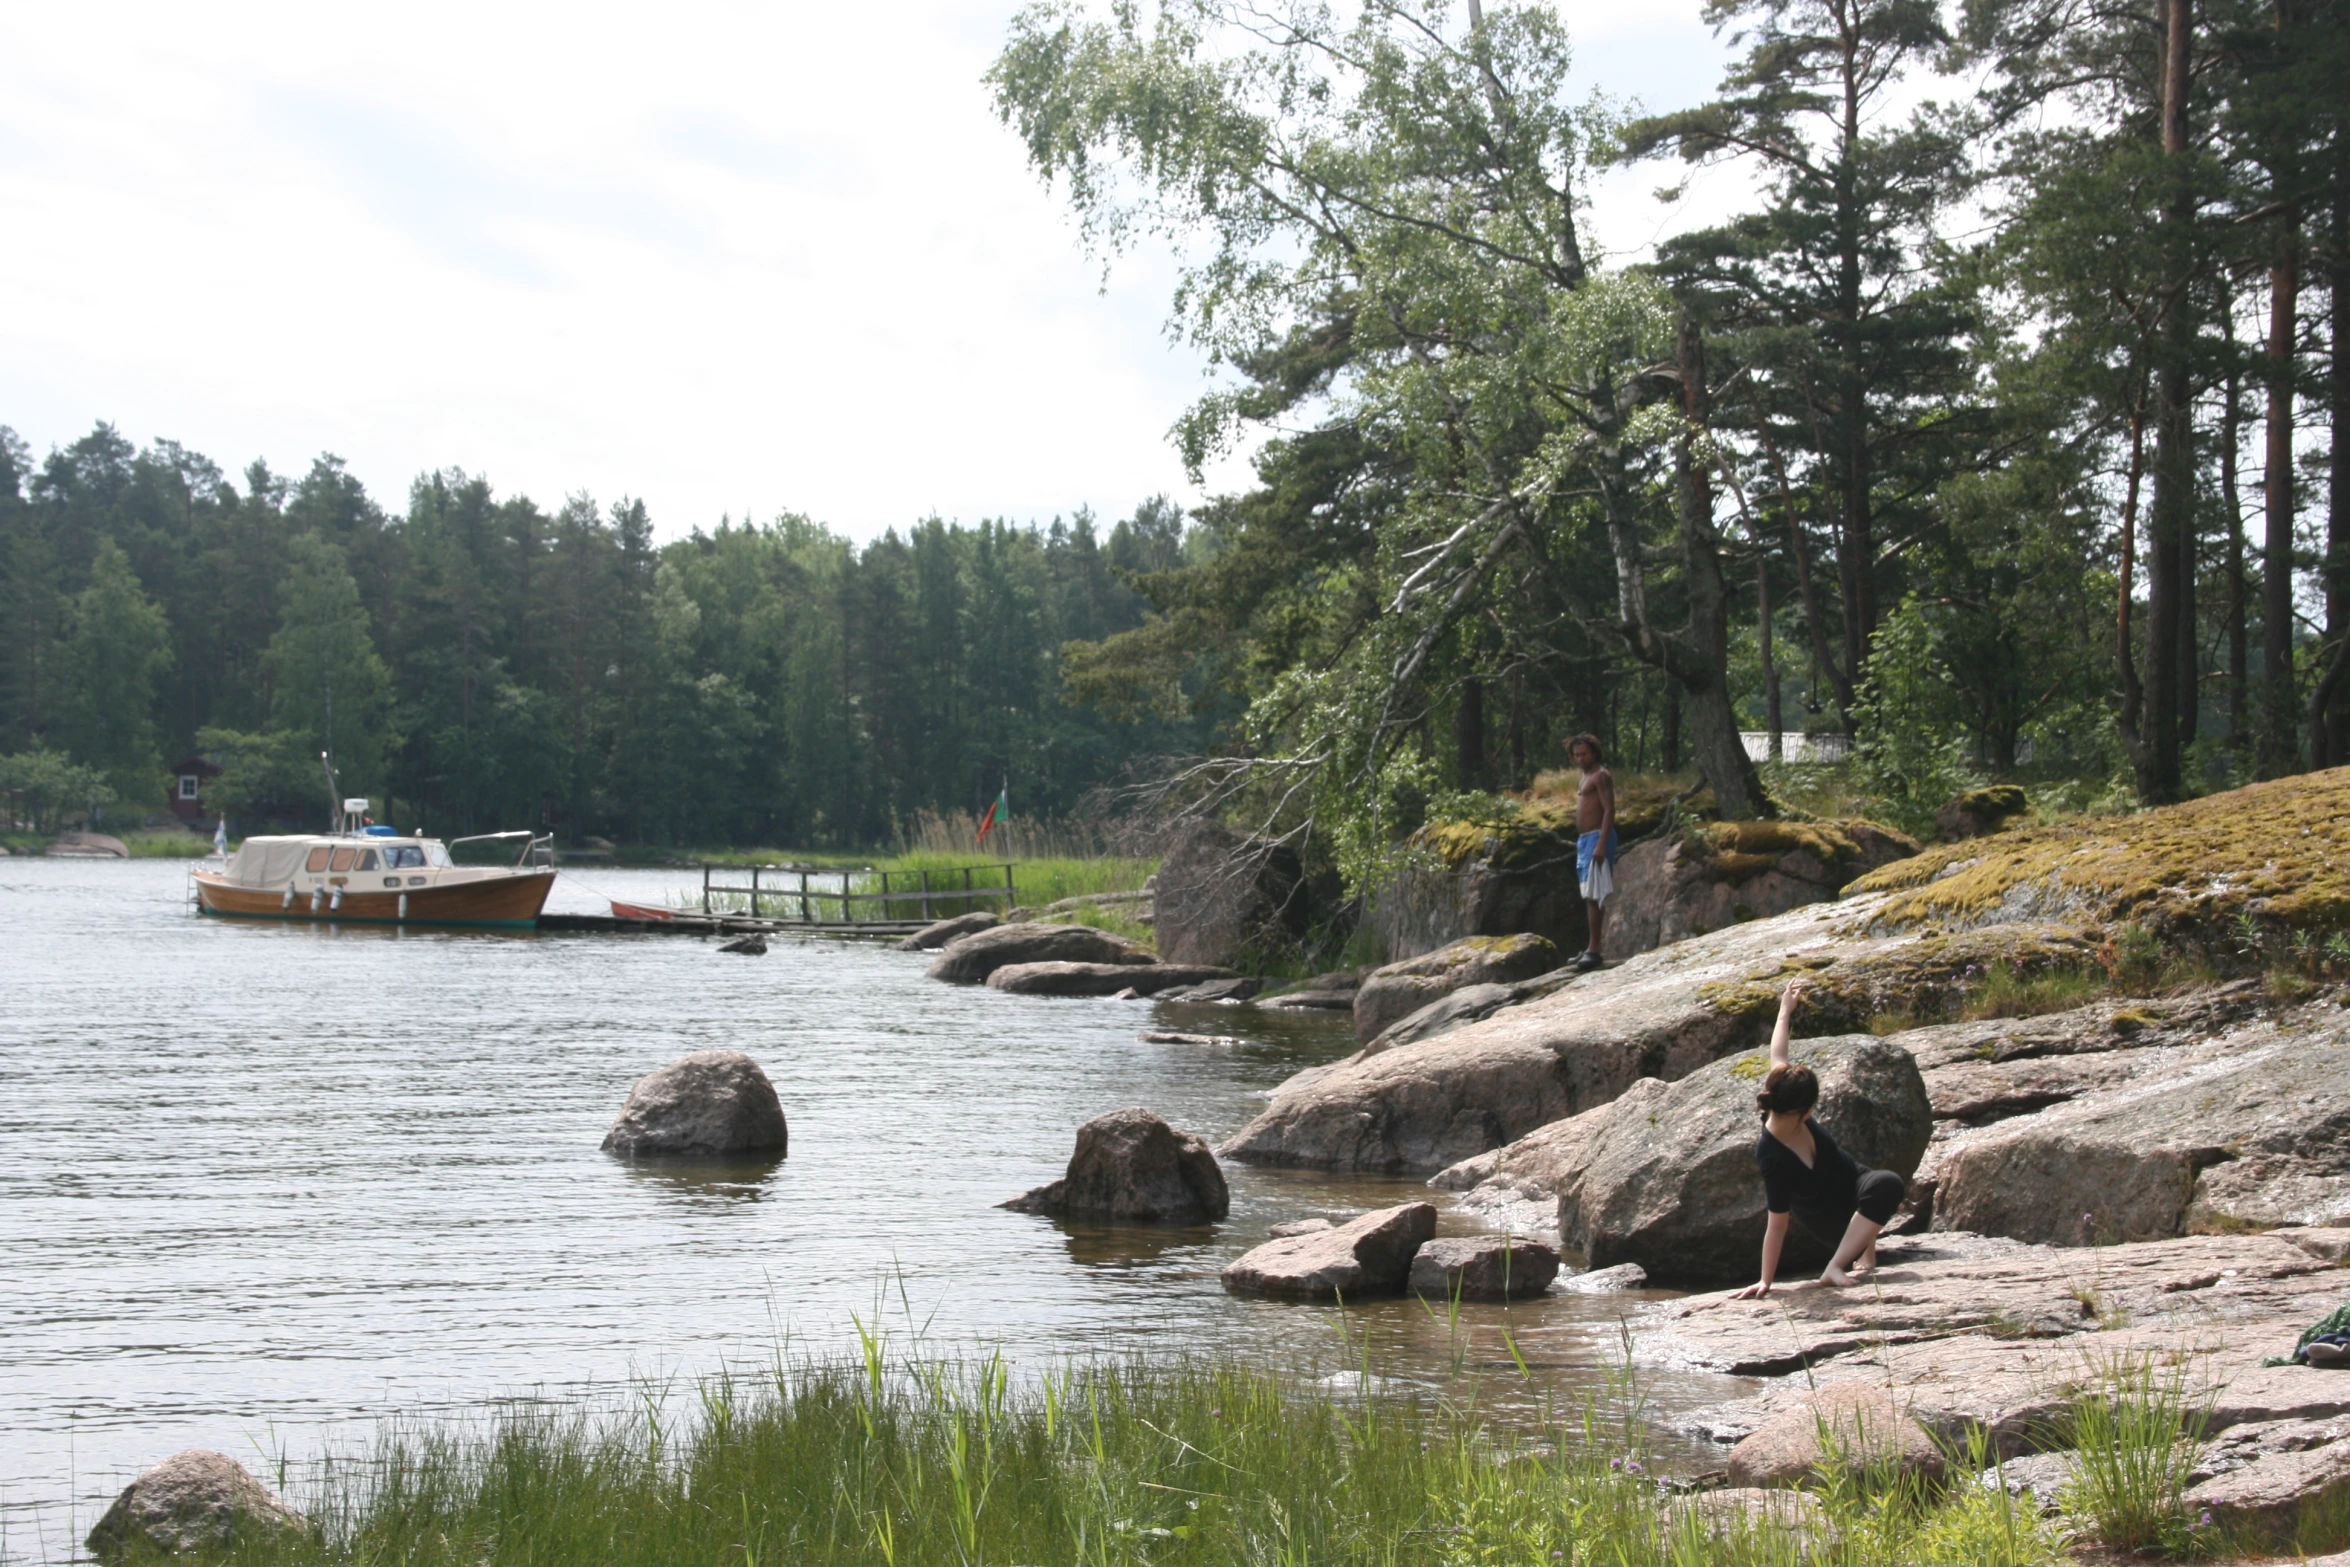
1220 897
195 1501
934 936
1101 979
1665 1176
1130 1164
1370 1255
713 1104
968 960
1400 989
1724 873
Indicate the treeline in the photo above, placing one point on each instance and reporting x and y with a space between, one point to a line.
1999 431
483 662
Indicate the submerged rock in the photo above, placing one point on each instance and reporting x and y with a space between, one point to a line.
1483 1267
1130 1164
1237 989
713 1104
1312 1000
1606 1281
968 960
1367 1256
1665 1176
1100 979
932 937
195 1501
751 946
1398 990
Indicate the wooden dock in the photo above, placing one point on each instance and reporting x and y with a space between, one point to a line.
780 899
690 923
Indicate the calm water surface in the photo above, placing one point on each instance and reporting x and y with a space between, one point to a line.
262 1184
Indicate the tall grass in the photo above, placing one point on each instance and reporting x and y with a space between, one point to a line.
1036 882
2137 1434
1169 1462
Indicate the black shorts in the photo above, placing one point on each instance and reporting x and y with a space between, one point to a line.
1878 1199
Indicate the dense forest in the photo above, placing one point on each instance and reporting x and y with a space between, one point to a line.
1996 431
1996 436
477 662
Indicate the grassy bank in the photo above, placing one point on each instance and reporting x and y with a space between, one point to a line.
1170 1463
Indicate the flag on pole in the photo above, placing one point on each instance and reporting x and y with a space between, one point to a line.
220 838
997 809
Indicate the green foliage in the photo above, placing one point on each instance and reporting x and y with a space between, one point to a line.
42 791
116 649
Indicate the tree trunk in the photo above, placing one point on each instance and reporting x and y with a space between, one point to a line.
2232 501
1721 752
2280 720
2174 440
2329 745
1468 733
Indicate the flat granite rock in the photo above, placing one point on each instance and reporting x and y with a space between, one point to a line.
1367 1256
1937 1286
1100 979
2266 1496
1419 1107
1860 1420
2124 1157
1395 992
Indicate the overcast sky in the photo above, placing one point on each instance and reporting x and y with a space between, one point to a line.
729 258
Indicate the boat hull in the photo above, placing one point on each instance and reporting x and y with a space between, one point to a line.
507 902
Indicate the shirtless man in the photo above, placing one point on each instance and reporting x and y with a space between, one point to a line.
1806 1177
1595 840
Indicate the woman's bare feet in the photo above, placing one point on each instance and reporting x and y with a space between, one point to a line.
1837 1278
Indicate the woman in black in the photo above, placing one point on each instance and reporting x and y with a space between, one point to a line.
1807 1176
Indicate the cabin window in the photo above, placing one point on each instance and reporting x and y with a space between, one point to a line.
188 786
317 860
367 859
391 881
403 855
344 857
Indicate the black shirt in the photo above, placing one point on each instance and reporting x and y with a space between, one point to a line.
1823 1195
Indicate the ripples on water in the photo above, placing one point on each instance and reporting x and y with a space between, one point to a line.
264 1183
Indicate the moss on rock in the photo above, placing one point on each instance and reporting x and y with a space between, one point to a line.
1924 980
2222 876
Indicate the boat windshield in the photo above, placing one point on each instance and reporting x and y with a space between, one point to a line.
436 854
403 856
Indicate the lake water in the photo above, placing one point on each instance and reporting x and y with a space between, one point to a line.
263 1184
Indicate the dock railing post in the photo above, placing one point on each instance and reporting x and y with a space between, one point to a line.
804 898
927 916
705 889
754 892
1011 901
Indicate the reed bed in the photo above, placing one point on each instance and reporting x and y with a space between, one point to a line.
1172 1462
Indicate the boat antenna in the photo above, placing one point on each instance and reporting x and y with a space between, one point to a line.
334 792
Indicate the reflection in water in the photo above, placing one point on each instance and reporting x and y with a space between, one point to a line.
707 1180
1097 1245
266 1180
